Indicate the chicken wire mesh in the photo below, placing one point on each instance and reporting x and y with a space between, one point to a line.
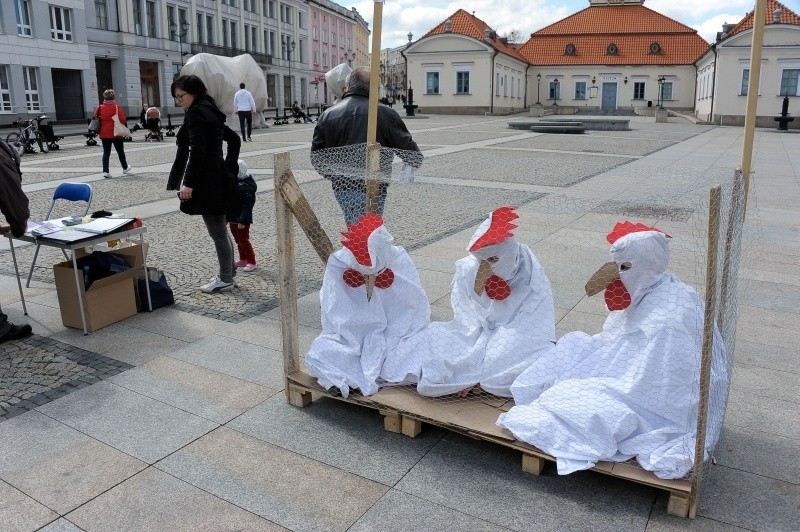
629 392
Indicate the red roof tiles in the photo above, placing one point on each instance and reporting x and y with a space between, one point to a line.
632 28
787 17
464 23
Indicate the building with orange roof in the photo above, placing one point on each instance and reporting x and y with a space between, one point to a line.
723 72
614 54
461 66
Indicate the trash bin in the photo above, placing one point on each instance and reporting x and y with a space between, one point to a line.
649 103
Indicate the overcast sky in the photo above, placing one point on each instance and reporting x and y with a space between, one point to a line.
527 16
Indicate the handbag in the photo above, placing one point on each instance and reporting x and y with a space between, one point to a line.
120 130
94 125
160 292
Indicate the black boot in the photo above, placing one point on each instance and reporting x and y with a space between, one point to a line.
16 332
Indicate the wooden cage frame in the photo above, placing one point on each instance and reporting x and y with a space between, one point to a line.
404 410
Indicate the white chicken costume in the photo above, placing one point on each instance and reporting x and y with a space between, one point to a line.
503 318
631 390
371 298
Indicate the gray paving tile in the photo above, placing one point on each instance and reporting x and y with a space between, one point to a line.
767 356
763 453
197 390
20 512
487 481
750 501
661 521
284 487
61 525
398 511
132 423
57 465
153 500
765 382
243 360
173 323
121 342
339 434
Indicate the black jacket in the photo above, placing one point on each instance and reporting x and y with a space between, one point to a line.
345 124
199 162
247 195
13 201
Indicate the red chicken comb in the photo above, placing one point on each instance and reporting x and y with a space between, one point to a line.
356 238
625 228
500 228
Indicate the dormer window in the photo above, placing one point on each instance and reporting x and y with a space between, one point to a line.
570 49
612 49
655 48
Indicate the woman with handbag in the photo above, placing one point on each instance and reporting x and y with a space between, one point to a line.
112 130
206 182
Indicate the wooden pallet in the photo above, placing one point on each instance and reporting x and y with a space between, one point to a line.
404 411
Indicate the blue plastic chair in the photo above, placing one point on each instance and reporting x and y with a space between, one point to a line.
73 192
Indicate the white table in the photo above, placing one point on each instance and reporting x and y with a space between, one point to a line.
72 246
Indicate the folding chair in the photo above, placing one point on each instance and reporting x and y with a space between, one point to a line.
68 192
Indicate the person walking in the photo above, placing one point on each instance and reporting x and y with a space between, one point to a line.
240 222
14 206
245 107
345 124
206 181
105 112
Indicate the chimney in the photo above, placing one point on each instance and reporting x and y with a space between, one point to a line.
726 28
448 25
776 16
487 34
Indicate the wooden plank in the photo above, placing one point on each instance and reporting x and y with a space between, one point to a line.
302 211
287 279
678 504
411 427
373 174
392 421
299 397
532 464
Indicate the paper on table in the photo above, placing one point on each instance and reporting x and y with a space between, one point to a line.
69 235
44 227
102 226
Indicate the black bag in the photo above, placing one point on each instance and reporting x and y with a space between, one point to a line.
94 125
99 265
160 293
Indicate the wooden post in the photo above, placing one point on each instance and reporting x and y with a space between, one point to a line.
373 149
392 421
373 171
708 343
411 427
532 464
287 280
752 93
732 249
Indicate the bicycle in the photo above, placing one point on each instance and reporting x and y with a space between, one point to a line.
24 139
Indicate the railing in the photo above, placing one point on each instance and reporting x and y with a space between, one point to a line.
202 48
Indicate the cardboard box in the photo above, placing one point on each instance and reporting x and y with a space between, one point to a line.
107 301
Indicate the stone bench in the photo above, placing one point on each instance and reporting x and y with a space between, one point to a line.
574 129
589 124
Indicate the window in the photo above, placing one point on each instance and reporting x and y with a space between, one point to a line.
335 59
60 24
316 58
250 5
666 90
301 49
314 34
286 14
462 82
31 88
789 82
171 22
101 14
497 84
333 38
209 29
512 85
555 90
250 38
150 11
272 42
231 3
269 8
137 17
5 91
324 36
580 90
638 90
23 12
301 19
431 83
229 37
745 82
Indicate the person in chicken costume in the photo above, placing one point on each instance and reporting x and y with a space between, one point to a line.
503 318
631 390
371 298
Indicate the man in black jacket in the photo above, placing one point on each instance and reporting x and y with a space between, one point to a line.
345 124
14 206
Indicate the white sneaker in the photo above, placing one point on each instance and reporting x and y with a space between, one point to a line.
250 267
107 175
128 169
216 285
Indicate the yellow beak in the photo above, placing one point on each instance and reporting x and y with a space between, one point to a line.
606 275
484 272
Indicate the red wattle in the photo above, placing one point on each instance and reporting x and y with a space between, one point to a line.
497 288
617 296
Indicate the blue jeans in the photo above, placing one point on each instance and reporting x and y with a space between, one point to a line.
354 202
218 231
245 116
119 145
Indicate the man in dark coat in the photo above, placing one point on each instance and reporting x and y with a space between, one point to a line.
14 206
345 124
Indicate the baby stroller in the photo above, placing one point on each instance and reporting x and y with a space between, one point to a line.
152 123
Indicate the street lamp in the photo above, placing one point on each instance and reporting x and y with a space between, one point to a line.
538 87
661 81
288 49
555 91
406 82
180 35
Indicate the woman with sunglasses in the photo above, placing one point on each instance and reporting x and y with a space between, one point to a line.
202 175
